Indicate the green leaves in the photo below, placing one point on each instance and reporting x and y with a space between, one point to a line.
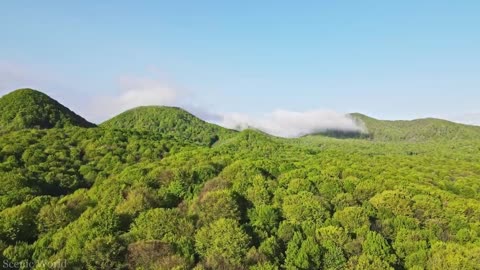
376 246
304 206
222 244
104 253
215 205
27 108
168 225
150 191
169 121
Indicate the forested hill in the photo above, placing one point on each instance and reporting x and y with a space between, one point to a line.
416 130
148 190
170 121
28 108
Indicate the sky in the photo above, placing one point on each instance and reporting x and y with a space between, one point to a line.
248 62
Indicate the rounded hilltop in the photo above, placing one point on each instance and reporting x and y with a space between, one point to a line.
170 121
28 108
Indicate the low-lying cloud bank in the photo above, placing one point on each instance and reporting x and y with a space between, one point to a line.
289 124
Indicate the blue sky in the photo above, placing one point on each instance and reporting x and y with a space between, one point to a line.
388 59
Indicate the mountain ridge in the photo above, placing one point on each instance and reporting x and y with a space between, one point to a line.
415 130
27 108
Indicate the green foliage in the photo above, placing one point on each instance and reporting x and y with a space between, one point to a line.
376 246
453 256
150 190
416 130
170 121
222 244
304 206
215 205
369 262
303 253
27 108
352 218
154 255
334 258
104 253
19 223
264 219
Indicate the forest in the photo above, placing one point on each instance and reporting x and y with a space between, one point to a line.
157 188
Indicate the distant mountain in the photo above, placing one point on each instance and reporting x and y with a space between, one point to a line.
28 108
416 130
171 121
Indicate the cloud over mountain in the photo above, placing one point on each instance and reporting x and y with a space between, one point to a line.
286 123
138 91
134 91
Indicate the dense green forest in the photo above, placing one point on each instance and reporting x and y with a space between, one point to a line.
157 188
27 108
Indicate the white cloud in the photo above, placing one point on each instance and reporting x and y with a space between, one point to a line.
285 123
137 91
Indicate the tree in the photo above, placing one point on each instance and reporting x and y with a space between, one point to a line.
304 206
453 256
303 253
393 202
18 224
352 218
334 258
375 245
217 204
411 245
168 226
222 244
154 254
104 253
369 262
264 219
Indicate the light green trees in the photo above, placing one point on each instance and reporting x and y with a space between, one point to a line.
453 256
376 246
303 253
168 226
153 199
264 219
304 206
215 205
352 218
222 244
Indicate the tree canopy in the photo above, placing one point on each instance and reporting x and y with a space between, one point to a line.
132 195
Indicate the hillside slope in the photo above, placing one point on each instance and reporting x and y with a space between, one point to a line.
28 108
143 192
170 121
416 130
